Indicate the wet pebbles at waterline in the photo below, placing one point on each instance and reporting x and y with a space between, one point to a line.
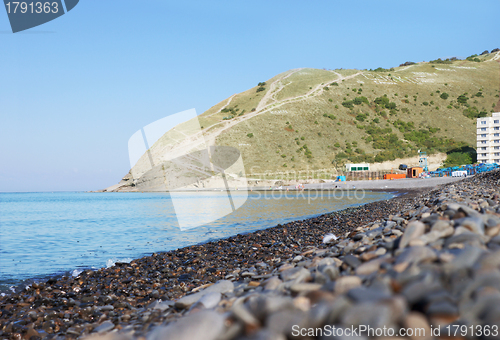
410 262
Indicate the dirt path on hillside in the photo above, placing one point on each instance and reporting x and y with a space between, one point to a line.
270 94
264 107
215 130
226 105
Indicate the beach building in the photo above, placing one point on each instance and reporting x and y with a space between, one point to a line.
488 139
414 172
358 167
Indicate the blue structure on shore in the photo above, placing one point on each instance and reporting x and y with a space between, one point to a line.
471 169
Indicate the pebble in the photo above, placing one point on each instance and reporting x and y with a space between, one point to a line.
104 327
305 287
474 224
273 283
370 267
189 300
331 272
205 325
417 321
416 255
161 305
414 230
363 294
345 283
298 274
352 261
242 314
210 300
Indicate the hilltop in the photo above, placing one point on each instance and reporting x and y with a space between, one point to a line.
307 119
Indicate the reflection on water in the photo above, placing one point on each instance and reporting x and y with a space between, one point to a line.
47 233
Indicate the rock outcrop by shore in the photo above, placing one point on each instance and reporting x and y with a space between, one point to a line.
422 261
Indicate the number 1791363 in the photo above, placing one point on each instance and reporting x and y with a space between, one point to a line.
32 7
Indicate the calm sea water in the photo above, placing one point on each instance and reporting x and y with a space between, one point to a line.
43 234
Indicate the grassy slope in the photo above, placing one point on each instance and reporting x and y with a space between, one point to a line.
272 136
279 133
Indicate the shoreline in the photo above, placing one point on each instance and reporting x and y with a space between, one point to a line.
325 185
346 213
20 286
289 261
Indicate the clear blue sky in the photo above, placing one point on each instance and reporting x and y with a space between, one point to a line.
74 90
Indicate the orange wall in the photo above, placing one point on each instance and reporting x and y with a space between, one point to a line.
394 176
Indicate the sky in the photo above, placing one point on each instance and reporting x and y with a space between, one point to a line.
74 90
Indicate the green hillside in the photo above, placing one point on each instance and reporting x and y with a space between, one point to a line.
310 118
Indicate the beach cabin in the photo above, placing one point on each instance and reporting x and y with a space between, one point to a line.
414 172
459 173
358 167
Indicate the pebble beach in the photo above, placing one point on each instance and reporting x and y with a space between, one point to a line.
429 259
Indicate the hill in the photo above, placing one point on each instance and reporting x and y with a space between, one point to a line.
310 119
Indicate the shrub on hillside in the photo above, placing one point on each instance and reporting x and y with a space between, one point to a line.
403 126
473 113
391 106
444 95
380 69
462 99
348 103
473 58
439 61
360 100
362 116
384 102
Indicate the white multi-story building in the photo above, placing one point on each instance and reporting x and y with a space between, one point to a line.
488 139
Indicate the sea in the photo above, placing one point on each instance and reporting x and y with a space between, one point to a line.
63 233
